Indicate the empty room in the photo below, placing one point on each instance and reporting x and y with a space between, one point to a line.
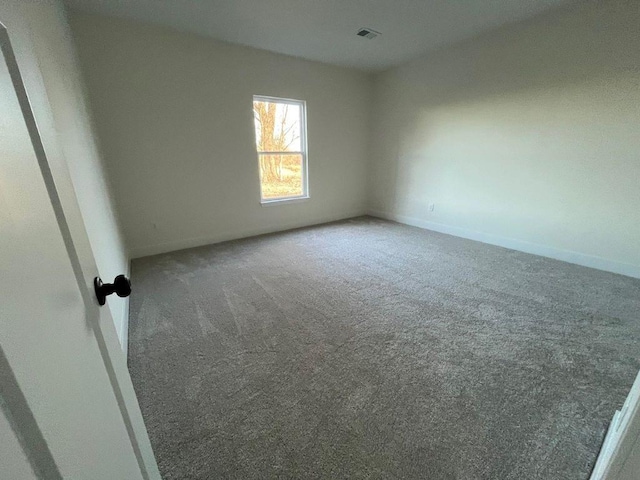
303 239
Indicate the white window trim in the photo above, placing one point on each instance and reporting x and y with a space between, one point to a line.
303 153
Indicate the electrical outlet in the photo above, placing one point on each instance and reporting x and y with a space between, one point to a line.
432 207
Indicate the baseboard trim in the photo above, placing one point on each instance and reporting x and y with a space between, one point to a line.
155 249
515 244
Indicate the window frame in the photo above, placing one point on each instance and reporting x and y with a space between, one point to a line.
303 153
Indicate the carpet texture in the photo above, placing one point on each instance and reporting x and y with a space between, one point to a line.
369 349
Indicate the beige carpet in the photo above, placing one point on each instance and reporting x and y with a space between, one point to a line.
368 349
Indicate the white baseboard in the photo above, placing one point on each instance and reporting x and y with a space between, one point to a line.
182 244
515 244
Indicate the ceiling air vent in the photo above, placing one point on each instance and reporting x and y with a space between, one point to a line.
367 33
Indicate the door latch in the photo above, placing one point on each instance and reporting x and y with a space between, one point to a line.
121 286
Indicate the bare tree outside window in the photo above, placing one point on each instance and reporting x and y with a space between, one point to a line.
280 142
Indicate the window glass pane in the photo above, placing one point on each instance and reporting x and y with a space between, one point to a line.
281 176
278 126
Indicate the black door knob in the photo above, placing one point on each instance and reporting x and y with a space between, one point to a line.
121 286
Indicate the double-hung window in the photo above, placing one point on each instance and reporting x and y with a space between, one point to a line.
281 143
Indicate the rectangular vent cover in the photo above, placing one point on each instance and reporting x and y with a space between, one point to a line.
368 33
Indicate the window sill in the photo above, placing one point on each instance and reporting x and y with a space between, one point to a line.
280 201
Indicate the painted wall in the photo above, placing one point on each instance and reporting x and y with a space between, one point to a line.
44 49
527 137
174 115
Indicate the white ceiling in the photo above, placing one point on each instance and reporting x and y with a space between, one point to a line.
325 30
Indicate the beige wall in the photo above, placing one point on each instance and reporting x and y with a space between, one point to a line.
41 38
174 115
527 137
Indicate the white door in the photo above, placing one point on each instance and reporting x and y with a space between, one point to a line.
619 457
67 403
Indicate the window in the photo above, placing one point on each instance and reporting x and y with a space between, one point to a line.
282 148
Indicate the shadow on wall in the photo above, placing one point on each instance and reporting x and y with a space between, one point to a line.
528 132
